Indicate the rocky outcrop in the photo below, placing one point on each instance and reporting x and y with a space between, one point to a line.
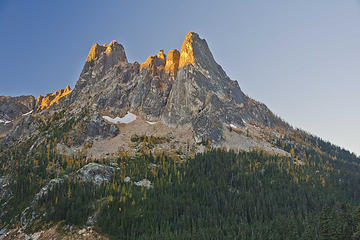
95 173
45 189
45 102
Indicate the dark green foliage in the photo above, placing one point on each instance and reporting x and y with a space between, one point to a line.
340 223
70 201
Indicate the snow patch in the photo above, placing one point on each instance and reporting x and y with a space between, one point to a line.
151 123
25 114
128 118
5 121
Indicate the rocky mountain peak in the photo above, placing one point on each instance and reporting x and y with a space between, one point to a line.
95 52
195 51
187 50
113 50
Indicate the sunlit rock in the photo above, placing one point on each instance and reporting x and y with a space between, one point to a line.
155 63
172 61
44 102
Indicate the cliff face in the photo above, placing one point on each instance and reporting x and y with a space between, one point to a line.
186 87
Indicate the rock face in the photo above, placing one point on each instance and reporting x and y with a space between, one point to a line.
12 109
155 63
186 87
172 61
45 102
98 127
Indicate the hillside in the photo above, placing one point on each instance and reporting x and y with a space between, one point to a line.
170 148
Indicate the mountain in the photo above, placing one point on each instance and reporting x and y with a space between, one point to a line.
185 94
184 88
174 129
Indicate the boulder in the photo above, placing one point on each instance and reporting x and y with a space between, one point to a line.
95 173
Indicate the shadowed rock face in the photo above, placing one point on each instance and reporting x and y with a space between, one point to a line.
186 87
13 107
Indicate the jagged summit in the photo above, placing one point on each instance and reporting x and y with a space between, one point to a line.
186 92
194 51
45 102
114 48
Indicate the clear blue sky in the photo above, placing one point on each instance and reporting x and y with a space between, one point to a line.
301 58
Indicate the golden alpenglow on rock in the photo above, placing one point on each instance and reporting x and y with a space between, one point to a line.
172 61
109 48
155 63
114 51
187 51
161 55
95 52
51 98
